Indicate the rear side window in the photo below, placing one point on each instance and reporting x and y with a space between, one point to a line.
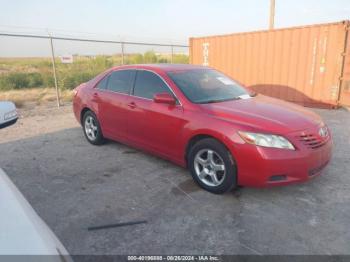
121 81
148 84
103 83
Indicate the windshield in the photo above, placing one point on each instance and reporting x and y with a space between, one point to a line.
207 86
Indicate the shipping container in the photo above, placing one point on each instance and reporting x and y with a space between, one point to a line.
308 65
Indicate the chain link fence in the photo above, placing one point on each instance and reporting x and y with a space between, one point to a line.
62 63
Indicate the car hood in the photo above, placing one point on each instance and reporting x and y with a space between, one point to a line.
264 113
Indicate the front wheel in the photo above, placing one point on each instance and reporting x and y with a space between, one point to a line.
92 129
212 166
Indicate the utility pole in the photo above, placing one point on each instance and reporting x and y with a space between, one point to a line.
272 14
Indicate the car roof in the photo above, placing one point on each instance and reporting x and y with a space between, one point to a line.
162 67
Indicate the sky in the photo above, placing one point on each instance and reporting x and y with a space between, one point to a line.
163 21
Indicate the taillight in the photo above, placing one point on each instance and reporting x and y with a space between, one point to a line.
76 90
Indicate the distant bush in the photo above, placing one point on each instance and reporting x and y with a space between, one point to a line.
163 60
48 80
14 81
5 84
18 80
181 59
150 57
73 80
21 80
35 80
101 62
134 59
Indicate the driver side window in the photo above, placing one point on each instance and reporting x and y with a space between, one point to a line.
148 84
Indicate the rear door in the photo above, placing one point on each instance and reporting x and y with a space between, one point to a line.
151 125
113 94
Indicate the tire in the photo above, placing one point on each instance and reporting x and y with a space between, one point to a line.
92 129
212 166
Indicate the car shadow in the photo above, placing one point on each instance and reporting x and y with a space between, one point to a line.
291 94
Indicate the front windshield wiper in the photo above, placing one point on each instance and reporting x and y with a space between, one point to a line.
218 100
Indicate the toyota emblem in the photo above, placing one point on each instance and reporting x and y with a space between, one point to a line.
323 132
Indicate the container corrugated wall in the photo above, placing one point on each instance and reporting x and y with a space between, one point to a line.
300 64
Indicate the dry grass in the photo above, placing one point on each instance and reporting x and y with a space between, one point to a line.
37 95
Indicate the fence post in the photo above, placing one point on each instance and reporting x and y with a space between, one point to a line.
172 54
122 53
54 71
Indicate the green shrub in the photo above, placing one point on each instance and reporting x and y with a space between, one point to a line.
135 59
101 62
48 80
35 80
180 59
73 80
163 60
150 57
18 80
5 84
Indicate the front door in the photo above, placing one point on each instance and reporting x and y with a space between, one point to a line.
151 125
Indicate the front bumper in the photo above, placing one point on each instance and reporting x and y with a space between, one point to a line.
8 123
261 167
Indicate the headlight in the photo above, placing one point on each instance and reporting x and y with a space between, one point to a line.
10 115
266 140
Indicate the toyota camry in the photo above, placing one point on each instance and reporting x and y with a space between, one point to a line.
199 118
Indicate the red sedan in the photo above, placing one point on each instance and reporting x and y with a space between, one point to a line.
199 118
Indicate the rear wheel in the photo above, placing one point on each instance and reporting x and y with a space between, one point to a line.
92 129
212 166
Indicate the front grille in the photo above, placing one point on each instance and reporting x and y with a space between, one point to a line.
313 141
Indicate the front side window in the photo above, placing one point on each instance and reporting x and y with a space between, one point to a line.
121 81
207 86
148 84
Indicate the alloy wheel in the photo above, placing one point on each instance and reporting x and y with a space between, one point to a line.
90 128
209 167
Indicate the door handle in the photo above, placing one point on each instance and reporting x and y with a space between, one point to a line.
132 105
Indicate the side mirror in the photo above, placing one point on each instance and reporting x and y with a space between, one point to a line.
164 98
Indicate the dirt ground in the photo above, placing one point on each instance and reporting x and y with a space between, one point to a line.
36 120
73 185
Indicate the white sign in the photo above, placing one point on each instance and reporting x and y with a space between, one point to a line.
67 59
